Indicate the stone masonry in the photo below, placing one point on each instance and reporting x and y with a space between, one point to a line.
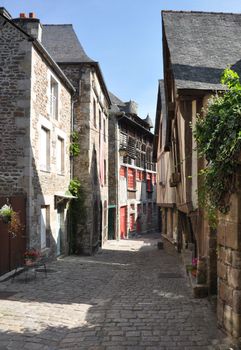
94 151
229 266
26 70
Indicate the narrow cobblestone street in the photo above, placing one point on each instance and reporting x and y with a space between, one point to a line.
129 296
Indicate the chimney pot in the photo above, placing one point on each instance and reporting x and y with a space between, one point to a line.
22 15
32 15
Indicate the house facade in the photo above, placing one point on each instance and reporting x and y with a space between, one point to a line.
195 55
132 172
90 119
35 127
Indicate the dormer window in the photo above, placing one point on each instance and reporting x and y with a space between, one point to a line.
54 98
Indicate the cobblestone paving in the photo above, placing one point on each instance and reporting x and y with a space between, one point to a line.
129 296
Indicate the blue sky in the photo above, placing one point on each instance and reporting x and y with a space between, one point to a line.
124 36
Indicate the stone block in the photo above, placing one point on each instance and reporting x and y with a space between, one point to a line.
220 312
237 301
236 331
225 255
235 209
221 232
225 293
234 278
227 318
222 270
236 259
200 291
232 235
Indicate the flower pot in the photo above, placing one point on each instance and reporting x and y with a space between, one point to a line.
6 219
29 262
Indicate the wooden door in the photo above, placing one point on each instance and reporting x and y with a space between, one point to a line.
123 222
12 246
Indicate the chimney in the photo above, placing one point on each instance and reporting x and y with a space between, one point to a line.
30 24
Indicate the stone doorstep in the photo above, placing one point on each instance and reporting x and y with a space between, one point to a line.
10 274
199 290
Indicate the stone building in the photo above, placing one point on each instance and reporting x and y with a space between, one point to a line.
35 127
195 53
132 172
91 105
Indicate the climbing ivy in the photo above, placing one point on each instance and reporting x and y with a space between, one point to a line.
74 147
77 213
218 135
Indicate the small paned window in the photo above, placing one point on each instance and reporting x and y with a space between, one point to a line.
54 98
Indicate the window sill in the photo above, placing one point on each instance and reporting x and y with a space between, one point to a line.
45 171
60 174
131 190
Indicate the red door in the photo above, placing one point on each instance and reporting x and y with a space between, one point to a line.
123 221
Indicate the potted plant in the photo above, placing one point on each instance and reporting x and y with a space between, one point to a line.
31 256
6 213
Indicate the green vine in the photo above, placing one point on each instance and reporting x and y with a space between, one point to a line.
74 147
218 136
77 213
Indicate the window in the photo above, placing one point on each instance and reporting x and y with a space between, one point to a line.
105 172
60 155
54 98
44 225
148 182
149 214
132 222
131 179
123 171
95 114
138 175
100 126
104 130
44 149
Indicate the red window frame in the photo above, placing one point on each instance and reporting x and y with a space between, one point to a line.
138 175
131 179
149 182
123 171
132 222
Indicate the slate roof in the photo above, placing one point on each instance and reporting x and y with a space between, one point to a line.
115 100
61 41
202 45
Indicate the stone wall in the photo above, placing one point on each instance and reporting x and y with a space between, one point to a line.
46 184
94 149
15 68
229 267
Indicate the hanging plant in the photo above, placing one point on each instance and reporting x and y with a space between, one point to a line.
15 226
6 213
218 136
